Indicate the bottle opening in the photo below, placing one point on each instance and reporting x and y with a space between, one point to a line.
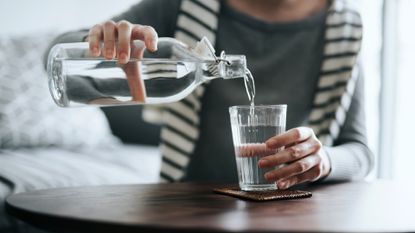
234 67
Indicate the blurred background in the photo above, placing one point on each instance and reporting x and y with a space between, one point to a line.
388 45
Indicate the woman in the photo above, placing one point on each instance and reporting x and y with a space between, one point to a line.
301 53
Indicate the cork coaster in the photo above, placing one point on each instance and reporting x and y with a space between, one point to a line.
262 195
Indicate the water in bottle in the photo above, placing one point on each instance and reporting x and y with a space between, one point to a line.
168 75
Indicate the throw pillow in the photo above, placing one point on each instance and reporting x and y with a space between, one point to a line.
28 115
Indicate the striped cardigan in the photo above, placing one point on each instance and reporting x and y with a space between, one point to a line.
197 18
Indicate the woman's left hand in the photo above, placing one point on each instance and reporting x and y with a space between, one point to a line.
303 158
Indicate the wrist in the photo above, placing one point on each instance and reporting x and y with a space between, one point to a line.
327 168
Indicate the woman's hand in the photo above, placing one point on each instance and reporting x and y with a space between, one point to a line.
117 39
303 158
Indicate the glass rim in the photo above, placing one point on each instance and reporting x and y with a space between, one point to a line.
273 106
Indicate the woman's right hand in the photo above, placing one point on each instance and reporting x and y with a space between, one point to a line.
117 39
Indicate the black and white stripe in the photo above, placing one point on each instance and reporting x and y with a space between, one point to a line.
156 70
338 73
181 120
197 19
335 88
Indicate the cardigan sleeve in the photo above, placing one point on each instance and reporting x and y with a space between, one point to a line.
160 14
350 157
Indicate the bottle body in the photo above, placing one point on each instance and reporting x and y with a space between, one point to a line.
168 75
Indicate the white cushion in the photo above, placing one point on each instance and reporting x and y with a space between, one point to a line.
28 116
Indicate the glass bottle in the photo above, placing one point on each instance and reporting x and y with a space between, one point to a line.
167 75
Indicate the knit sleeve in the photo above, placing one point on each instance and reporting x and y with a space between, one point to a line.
159 14
350 157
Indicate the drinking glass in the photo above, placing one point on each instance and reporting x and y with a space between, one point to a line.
251 127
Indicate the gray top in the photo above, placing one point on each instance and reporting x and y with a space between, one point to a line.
285 59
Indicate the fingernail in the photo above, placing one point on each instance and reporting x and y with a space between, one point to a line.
263 163
154 45
109 53
123 57
282 184
268 176
269 143
95 50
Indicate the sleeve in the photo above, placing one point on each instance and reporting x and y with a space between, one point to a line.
160 14
350 157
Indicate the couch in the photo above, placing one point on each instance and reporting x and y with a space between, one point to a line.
44 146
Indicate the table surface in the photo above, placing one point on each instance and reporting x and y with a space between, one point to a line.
190 207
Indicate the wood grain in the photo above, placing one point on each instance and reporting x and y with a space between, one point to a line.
189 207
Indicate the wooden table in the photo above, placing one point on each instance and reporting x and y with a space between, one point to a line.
188 207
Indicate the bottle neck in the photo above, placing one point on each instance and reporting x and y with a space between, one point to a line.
224 66
231 66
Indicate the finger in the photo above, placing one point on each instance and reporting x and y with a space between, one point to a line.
146 34
124 41
293 169
291 136
109 39
135 82
137 51
311 175
291 154
94 39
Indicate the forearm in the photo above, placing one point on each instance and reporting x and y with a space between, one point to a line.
349 161
74 36
160 14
